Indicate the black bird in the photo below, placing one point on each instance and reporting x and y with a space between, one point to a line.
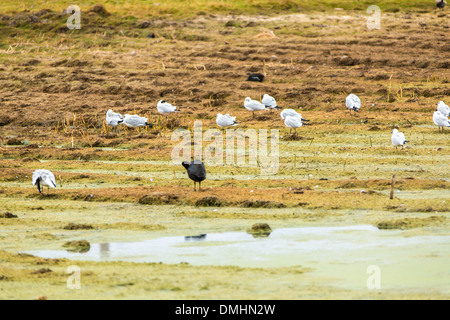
196 171
256 77
259 77
440 4
151 35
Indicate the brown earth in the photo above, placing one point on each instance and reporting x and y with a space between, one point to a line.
56 86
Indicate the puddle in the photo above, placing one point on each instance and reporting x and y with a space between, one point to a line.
340 254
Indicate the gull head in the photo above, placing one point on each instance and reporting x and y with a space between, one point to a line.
248 99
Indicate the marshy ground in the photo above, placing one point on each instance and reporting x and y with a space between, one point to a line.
57 84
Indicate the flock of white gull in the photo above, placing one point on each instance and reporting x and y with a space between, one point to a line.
292 119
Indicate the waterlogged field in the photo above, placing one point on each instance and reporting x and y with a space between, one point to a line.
125 207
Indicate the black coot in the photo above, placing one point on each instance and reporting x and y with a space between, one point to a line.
196 171
256 77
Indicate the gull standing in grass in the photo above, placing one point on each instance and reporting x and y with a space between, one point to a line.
253 105
43 177
440 120
225 120
196 172
270 102
291 113
352 102
135 121
443 108
165 108
294 122
113 119
398 138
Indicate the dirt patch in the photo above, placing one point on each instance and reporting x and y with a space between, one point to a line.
295 137
30 160
261 204
5 120
260 230
14 142
209 202
76 226
158 198
8 215
409 223
134 226
77 246
42 271
100 10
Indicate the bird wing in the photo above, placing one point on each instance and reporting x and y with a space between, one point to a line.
36 176
288 112
268 101
254 105
113 115
352 101
225 120
221 120
113 120
440 120
46 176
49 179
293 122
444 109
197 171
166 107
136 120
447 109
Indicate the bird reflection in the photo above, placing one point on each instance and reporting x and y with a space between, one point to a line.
199 237
104 250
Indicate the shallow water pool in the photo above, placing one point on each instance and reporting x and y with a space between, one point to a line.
346 255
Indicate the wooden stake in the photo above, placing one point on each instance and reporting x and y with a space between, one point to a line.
392 187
